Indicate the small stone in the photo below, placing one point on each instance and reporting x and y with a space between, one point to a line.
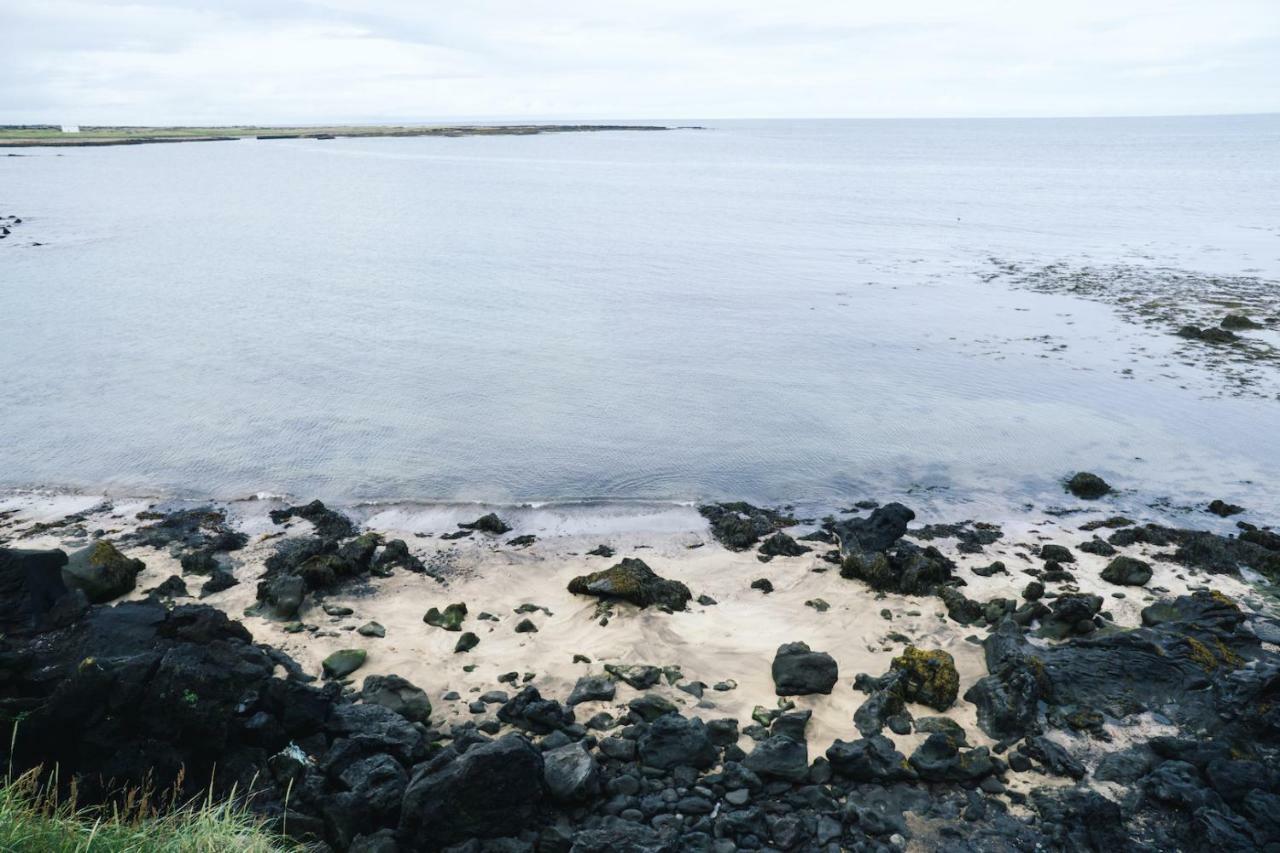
466 642
371 629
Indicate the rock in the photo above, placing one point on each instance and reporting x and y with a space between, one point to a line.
571 773
798 671
878 532
280 597
526 626
220 580
818 604
639 676
1127 571
938 759
601 551
633 581
1054 757
396 554
650 707
342 663
945 725
328 523
673 741
996 568
592 688
1057 553
399 695
529 711
1238 321
1087 486
31 585
1224 509
1098 547
172 587
1071 613
762 584
487 524
738 526
371 629
450 619
522 541
784 754
336 610
870 759
908 569
101 572
466 642
782 545
1033 591
930 677
492 790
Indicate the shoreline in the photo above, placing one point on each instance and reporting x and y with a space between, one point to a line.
479 618
107 135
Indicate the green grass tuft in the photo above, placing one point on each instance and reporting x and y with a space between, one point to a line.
35 819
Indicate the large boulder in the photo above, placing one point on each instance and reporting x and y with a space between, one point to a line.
492 790
394 692
631 580
30 586
102 572
1127 571
929 677
673 741
798 671
784 754
571 773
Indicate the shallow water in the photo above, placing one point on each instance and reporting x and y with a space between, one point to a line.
776 311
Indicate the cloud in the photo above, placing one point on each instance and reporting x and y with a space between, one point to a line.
110 61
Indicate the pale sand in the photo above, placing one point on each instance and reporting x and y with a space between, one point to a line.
733 640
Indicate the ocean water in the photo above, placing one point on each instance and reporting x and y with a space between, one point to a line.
775 311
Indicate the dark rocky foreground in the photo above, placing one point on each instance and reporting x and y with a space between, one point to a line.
148 693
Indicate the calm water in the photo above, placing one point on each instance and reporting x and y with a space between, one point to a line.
766 310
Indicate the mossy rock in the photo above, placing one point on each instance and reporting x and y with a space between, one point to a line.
1087 485
1127 571
450 619
342 663
102 572
929 677
466 643
631 580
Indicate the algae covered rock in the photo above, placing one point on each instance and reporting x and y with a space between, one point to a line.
738 525
342 663
1088 486
102 572
450 619
1127 571
929 677
466 643
631 580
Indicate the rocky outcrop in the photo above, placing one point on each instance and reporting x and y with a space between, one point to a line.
739 526
101 572
634 582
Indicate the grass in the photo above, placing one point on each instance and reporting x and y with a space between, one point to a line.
35 819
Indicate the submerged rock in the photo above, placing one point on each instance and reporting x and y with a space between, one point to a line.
633 581
1088 486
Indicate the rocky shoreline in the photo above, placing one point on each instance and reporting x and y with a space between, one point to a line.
753 681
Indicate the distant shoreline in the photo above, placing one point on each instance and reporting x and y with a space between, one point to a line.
48 136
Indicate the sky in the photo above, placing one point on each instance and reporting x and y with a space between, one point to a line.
315 61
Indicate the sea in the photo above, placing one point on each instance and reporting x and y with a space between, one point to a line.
775 311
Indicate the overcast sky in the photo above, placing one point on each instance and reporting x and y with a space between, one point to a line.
224 61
